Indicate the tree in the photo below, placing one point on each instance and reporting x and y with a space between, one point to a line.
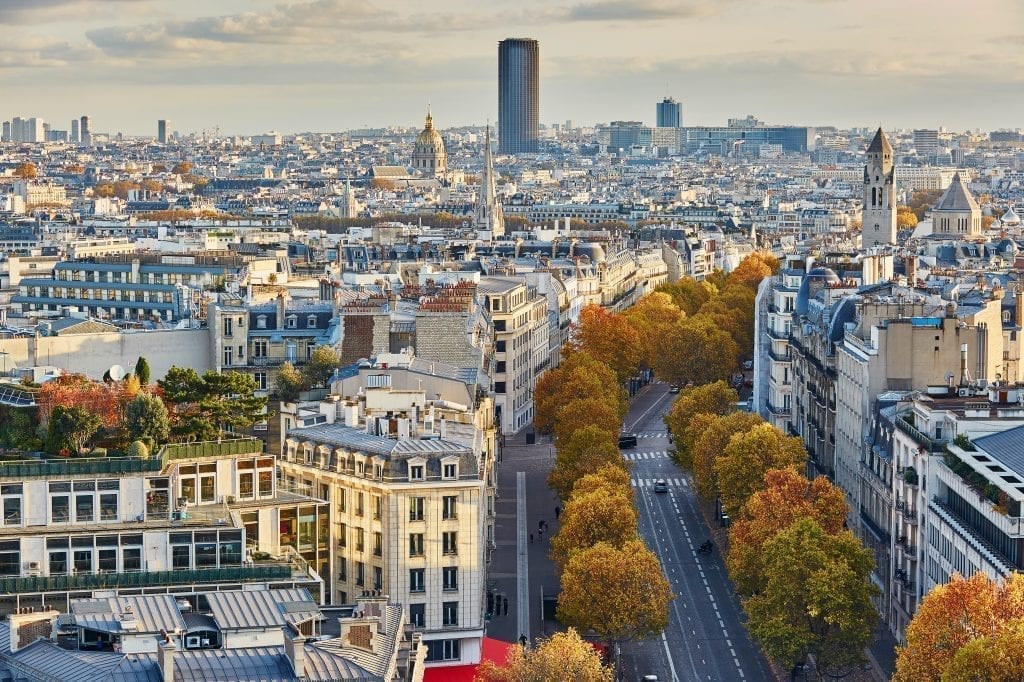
609 338
599 516
70 428
922 200
951 617
579 376
716 399
323 361
696 351
688 294
182 168
786 497
26 171
610 477
142 370
995 658
204 406
581 412
816 599
653 317
587 450
707 436
741 468
383 184
905 217
103 190
564 657
289 383
137 449
77 390
146 419
620 593
753 269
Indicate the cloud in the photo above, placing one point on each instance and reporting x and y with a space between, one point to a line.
637 10
49 11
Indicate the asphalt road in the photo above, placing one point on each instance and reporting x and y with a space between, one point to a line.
705 638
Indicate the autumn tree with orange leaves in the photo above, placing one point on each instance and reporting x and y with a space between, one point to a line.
966 629
787 496
585 451
610 338
603 515
106 401
740 470
579 376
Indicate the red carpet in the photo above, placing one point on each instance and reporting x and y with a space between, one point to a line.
491 650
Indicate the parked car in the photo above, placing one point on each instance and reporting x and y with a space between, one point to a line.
627 440
661 486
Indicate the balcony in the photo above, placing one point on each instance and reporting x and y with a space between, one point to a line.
266 361
919 437
777 335
99 581
779 411
780 357
207 449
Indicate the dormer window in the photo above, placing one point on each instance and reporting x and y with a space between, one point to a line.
417 472
450 470
311 322
261 322
292 322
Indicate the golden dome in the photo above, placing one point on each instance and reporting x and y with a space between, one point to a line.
429 136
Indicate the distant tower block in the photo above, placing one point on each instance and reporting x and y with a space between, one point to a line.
161 130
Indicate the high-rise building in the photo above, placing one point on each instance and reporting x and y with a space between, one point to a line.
518 95
85 131
926 142
161 130
669 113
879 223
75 137
7 132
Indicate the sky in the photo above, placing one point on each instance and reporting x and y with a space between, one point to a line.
330 65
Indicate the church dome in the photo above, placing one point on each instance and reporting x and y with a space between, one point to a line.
817 279
430 137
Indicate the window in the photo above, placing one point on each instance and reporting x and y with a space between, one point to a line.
292 322
499 387
12 511
451 578
378 578
499 325
415 544
85 511
416 580
227 355
449 542
360 573
359 504
376 506
206 554
108 507
343 535
245 485
261 322
443 650
267 481
311 322
261 380
417 614
499 346
60 508
131 559
207 491
416 472
181 557
342 569
378 544
499 367
450 470
450 613
106 560
259 348
415 508
58 562
82 560
342 498
228 326
449 508
360 540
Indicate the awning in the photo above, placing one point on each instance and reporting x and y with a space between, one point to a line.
491 650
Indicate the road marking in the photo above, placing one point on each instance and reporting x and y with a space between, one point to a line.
656 403
668 654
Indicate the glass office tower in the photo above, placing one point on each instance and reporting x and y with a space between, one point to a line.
518 95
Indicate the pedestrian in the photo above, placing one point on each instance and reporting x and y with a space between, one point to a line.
540 535
558 512
531 538
540 525
504 605
522 641
490 602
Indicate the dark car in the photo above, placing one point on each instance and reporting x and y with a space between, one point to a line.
627 440
674 388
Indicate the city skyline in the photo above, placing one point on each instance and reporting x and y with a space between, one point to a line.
331 65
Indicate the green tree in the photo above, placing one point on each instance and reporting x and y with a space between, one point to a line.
748 456
599 516
138 449
709 434
565 657
70 428
142 371
204 406
816 599
620 593
17 429
146 418
688 294
586 450
323 361
289 383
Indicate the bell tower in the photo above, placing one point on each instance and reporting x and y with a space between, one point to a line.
879 221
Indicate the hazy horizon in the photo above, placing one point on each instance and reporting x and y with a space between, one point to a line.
331 65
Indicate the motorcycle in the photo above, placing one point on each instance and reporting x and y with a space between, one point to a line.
706 547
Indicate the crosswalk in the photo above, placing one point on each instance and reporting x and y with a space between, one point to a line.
637 456
649 482
652 434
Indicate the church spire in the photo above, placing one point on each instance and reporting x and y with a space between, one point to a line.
488 215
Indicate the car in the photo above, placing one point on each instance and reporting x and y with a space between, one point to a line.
649 678
627 440
661 486
748 364
674 388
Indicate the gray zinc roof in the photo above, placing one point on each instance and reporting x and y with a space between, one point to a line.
1005 446
957 197
240 610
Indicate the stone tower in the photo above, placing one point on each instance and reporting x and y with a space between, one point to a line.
879 223
488 216
429 156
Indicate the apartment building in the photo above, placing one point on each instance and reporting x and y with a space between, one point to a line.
957 490
189 517
519 317
409 518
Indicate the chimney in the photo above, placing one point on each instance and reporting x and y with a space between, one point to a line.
1018 298
165 658
963 364
982 282
280 310
295 650
911 271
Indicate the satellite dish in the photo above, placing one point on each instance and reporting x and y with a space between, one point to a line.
117 372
